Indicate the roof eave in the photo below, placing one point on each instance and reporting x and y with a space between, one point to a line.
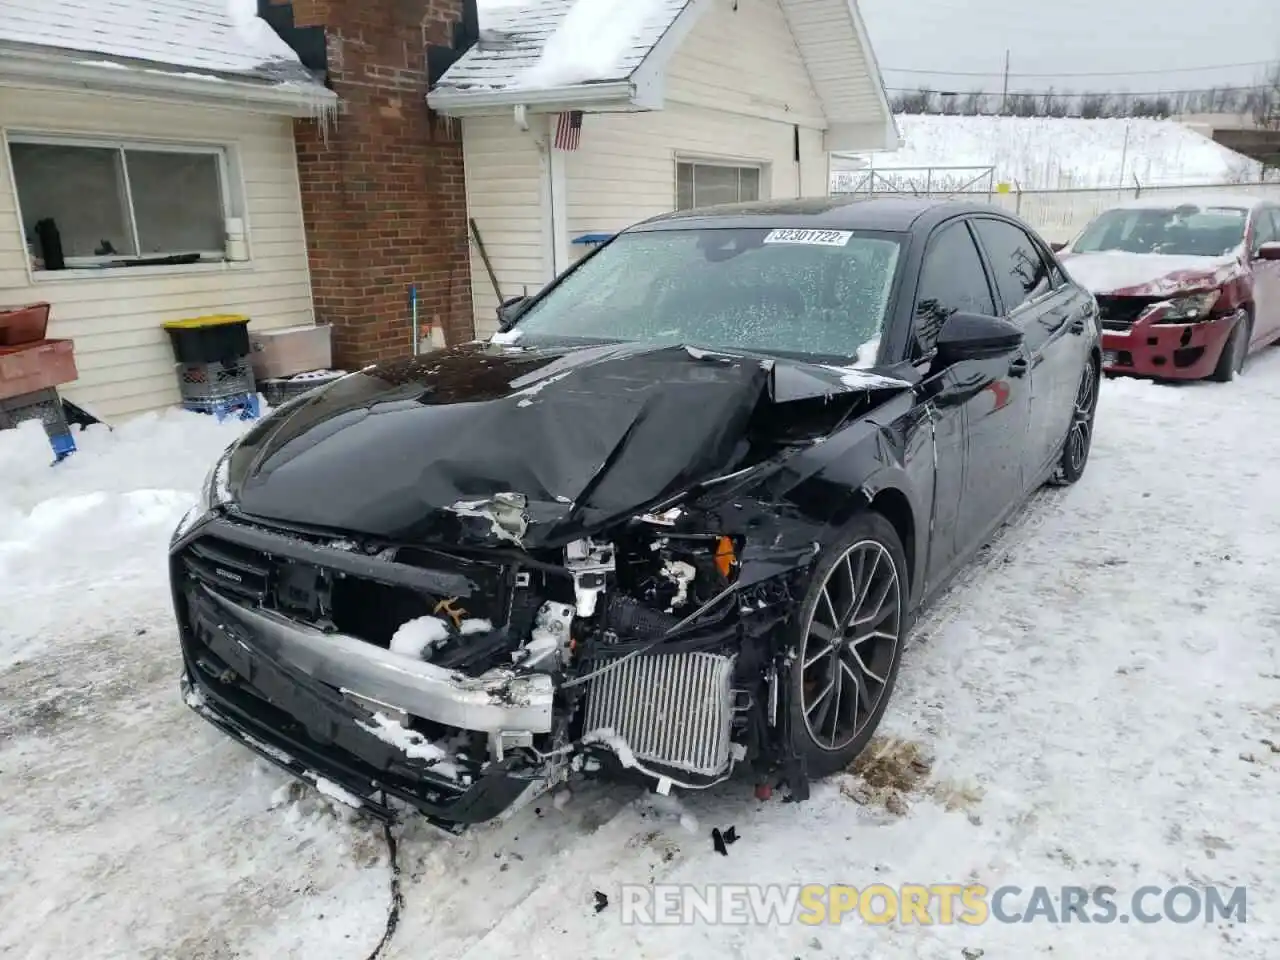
24 68
892 135
610 95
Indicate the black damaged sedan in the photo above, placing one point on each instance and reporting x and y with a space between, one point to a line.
674 522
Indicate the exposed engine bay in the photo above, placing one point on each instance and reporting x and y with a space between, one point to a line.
626 654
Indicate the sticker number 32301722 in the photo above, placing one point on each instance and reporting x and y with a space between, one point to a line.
822 238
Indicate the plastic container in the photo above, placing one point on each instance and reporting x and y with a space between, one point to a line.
280 390
36 366
215 381
246 406
290 350
219 338
23 325
46 406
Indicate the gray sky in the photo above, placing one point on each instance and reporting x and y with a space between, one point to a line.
1073 36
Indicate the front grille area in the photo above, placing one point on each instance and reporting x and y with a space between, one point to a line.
1120 313
363 595
675 710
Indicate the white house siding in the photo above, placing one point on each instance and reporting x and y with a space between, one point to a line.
505 185
744 61
124 357
736 91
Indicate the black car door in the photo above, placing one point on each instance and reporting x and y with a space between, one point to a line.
978 407
1053 321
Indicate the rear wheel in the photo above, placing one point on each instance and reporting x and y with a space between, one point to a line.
848 643
1075 450
1231 363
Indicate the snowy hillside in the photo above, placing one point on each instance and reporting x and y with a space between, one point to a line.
1050 153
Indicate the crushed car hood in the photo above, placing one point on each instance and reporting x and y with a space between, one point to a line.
484 444
1113 273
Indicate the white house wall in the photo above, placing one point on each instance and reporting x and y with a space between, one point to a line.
740 57
505 190
123 354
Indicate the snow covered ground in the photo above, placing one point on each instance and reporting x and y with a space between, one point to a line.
1091 700
1052 153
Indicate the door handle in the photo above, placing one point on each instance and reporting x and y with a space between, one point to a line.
1077 326
1018 367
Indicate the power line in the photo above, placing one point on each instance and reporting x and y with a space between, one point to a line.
1112 73
1067 95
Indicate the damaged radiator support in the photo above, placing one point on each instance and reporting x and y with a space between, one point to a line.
675 710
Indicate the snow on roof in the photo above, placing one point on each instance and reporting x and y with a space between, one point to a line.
556 43
205 36
1050 153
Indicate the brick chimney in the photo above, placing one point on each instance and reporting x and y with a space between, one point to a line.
383 195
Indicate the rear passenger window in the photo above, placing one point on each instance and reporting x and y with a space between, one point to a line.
951 280
1021 274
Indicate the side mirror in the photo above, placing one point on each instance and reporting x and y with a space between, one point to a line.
509 311
1269 251
1058 246
975 336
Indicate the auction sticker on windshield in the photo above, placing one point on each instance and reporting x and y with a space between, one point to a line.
822 238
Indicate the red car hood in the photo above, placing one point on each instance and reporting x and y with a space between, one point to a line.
1150 274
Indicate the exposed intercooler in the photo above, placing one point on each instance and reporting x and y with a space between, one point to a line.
675 710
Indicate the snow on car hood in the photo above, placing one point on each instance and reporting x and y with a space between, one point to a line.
1150 274
488 444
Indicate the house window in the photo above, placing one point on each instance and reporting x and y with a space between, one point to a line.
109 204
706 184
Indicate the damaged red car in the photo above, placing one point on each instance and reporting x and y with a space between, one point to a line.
1187 288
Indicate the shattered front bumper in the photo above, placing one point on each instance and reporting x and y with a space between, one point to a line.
313 731
1151 348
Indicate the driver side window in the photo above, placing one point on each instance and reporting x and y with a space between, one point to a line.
1266 229
952 280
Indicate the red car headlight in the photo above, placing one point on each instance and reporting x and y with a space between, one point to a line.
1192 307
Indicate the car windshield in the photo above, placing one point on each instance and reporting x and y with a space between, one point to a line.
792 292
1185 231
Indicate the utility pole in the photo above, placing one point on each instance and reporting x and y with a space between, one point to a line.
1004 93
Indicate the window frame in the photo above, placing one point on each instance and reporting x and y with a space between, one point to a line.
694 162
965 224
1271 214
231 200
1049 262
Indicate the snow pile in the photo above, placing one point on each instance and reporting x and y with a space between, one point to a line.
103 513
418 637
256 33
1052 153
588 45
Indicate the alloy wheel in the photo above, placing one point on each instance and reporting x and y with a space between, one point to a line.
1082 420
850 643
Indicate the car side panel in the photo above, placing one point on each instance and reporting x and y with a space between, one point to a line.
1266 289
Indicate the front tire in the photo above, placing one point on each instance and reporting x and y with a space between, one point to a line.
848 641
1231 363
1075 449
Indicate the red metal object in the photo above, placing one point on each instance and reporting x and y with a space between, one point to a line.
35 366
22 325
764 791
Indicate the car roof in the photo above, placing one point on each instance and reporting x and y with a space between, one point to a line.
1201 198
858 212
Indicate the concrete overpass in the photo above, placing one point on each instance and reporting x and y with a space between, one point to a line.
1240 133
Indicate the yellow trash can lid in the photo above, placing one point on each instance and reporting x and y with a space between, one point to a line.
213 320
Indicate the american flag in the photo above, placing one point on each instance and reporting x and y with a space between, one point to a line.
568 130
